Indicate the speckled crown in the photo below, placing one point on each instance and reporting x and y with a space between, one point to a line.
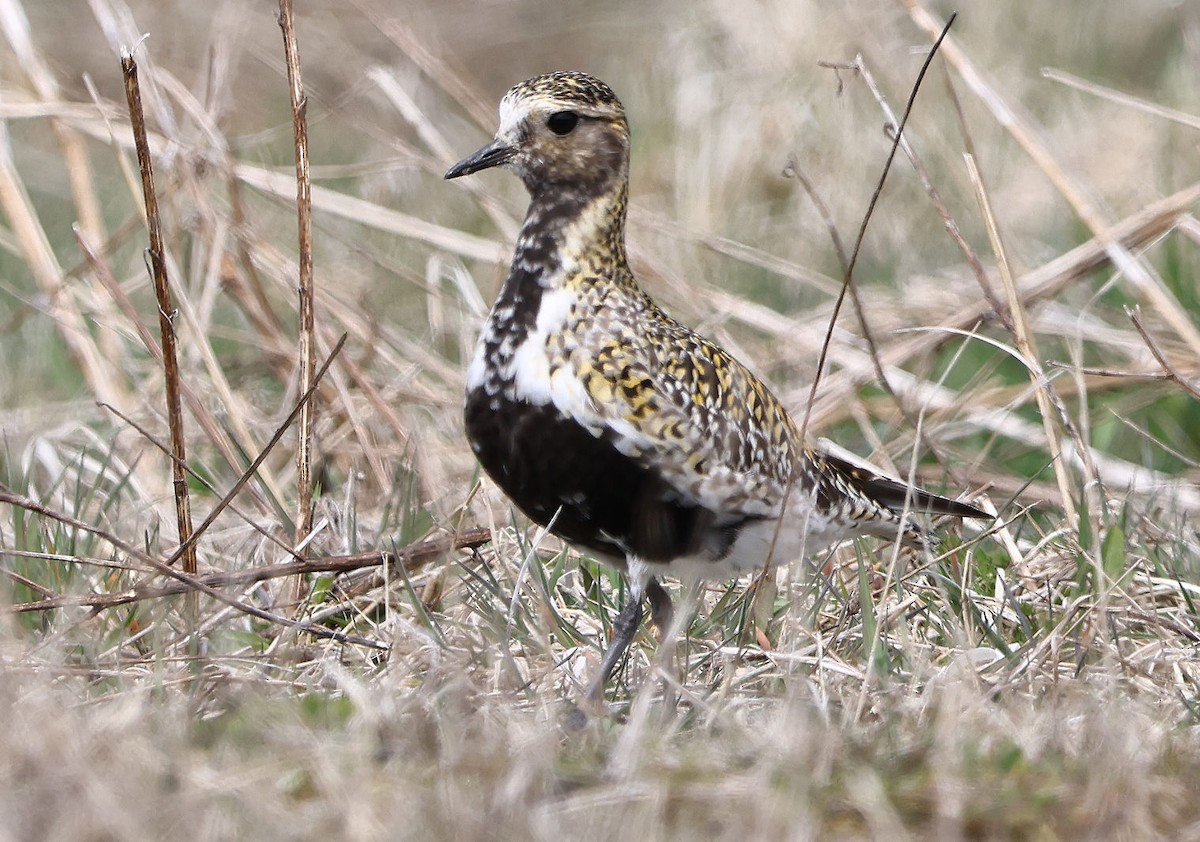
567 86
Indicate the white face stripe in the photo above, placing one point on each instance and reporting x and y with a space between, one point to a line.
517 110
513 112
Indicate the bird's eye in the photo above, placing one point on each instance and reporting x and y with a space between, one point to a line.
562 122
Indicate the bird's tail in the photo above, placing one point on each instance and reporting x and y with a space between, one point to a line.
895 497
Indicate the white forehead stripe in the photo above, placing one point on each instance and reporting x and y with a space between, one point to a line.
512 112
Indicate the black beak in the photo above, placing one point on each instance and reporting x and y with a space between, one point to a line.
492 155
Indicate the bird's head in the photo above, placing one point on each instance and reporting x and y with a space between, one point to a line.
560 131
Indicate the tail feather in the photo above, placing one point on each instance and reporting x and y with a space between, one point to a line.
898 496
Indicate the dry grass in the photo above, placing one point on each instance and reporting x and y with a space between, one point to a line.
1035 681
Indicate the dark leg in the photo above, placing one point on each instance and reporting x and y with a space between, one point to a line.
663 614
624 629
660 607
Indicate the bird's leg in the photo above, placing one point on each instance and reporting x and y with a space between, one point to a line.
663 614
672 624
661 611
624 629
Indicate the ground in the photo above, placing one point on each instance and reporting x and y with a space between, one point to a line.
1022 329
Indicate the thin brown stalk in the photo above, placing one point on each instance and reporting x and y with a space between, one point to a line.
935 195
848 277
1024 339
188 581
411 557
863 71
1119 374
1022 128
847 280
1135 316
445 153
199 412
307 350
1015 321
224 503
355 375
1046 281
258 460
262 314
793 168
166 313
76 162
431 62
376 216
1120 97
249 520
102 377
77 167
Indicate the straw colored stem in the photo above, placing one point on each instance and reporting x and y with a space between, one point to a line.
1146 283
166 314
412 558
188 581
306 350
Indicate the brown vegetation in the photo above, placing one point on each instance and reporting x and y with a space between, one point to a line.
1026 326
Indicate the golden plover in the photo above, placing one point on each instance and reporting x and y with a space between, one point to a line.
613 425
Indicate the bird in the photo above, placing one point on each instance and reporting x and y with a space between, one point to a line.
616 427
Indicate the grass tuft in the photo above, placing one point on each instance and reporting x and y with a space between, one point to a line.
1026 329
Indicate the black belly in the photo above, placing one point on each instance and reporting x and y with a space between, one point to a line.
604 501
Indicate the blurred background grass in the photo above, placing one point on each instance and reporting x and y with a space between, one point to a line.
1039 682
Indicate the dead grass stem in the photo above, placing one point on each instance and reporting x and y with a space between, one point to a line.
1035 677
